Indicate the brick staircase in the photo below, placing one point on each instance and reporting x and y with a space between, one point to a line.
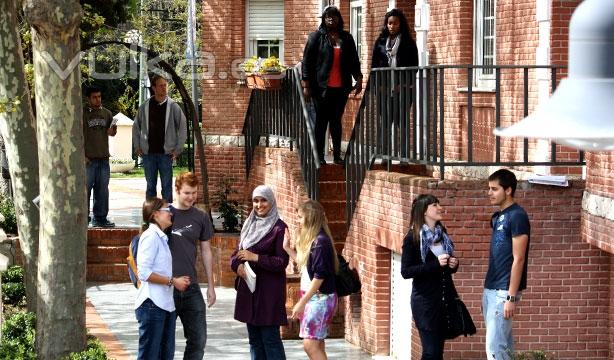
332 198
107 250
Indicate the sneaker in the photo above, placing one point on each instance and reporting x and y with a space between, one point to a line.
103 224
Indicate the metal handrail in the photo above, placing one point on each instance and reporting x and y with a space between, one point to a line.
405 116
284 113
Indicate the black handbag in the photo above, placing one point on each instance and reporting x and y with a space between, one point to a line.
458 319
346 279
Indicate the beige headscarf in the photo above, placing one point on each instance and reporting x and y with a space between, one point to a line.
256 227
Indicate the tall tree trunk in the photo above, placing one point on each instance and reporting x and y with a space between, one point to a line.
60 327
18 128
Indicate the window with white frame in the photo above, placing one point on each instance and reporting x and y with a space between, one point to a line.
325 3
356 24
265 28
391 4
484 42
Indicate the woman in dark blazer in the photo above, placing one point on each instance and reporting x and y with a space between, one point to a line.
261 250
330 60
428 258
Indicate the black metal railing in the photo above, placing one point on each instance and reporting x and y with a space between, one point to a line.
283 113
436 116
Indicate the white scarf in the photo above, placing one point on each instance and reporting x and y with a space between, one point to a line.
391 51
256 227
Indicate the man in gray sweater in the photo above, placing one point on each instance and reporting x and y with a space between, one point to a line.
158 135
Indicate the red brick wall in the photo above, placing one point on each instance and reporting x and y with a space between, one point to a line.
280 169
599 181
224 162
564 310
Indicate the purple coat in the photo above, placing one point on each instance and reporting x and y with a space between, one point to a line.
267 305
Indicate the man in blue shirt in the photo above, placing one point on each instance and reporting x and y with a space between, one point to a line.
507 267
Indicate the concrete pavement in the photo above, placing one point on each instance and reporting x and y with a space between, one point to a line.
226 338
112 316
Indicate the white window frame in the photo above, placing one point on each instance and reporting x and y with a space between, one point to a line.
251 44
324 5
391 4
484 78
356 30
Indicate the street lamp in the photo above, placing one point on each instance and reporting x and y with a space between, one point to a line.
580 113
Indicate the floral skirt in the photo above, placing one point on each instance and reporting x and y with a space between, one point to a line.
317 316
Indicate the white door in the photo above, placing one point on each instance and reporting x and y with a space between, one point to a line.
400 312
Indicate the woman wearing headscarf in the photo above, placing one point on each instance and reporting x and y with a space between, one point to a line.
261 250
428 258
330 60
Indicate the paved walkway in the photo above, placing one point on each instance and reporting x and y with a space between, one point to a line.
110 314
227 337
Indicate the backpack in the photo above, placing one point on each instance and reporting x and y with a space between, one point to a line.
346 279
131 259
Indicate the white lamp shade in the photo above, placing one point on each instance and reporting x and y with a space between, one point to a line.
580 113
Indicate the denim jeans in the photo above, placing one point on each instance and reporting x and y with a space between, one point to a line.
156 332
98 173
265 343
432 344
191 309
499 339
154 164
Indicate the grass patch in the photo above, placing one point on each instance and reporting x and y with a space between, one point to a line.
140 173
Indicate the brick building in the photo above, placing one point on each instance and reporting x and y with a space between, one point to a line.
568 308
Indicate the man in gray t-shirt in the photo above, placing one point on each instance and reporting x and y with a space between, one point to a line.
191 226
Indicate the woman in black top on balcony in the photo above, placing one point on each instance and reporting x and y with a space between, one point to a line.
428 258
330 60
394 47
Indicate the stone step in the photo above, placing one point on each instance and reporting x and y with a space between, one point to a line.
332 173
107 272
110 237
335 209
332 190
100 254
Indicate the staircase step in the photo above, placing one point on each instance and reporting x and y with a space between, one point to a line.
335 209
332 190
332 173
111 237
106 254
107 272
414 169
339 231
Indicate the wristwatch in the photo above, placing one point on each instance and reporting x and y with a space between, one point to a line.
511 298
170 282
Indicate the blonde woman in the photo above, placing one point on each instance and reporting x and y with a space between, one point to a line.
316 257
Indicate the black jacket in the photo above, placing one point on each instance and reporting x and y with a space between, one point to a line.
318 60
407 55
431 284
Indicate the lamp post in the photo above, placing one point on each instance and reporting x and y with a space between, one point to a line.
580 113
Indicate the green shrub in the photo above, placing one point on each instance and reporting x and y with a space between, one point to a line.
13 288
13 274
13 293
228 208
94 351
18 332
532 355
7 209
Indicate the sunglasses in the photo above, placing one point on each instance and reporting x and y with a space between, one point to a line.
165 209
